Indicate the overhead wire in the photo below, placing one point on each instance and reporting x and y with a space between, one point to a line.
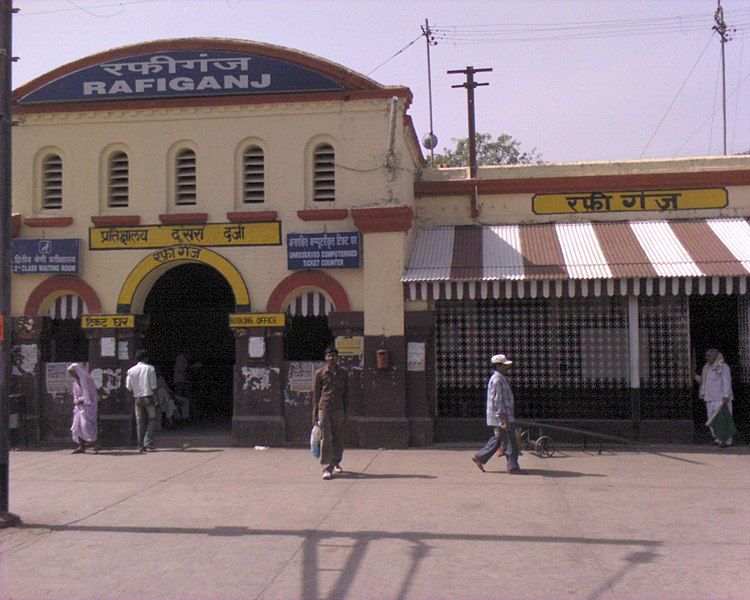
395 54
671 104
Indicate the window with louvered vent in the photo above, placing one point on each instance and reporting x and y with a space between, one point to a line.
324 177
52 182
253 175
185 177
118 174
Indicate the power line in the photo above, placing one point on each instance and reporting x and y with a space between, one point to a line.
85 9
395 54
677 95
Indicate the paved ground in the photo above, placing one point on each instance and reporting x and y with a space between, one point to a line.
219 523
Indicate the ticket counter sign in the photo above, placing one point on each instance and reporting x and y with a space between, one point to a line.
240 320
323 250
630 201
108 321
59 256
205 234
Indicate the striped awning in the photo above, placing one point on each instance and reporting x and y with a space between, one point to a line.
593 258
309 303
69 306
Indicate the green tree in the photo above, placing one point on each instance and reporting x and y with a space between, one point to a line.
501 151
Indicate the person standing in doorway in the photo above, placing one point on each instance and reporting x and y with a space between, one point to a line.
329 411
716 387
141 381
85 407
500 416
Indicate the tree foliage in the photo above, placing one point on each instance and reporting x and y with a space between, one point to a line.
501 151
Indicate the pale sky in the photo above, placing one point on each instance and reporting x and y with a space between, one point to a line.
579 80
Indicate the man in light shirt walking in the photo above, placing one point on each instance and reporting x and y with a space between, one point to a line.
141 381
500 416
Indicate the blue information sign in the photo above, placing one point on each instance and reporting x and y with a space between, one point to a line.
185 73
323 250
46 256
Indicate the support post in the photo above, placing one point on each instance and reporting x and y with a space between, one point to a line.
634 366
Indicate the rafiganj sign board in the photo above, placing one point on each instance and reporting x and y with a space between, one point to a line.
185 73
323 250
31 257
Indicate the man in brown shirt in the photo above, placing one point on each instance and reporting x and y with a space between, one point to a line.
329 411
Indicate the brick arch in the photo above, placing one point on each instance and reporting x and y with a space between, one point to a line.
62 283
302 279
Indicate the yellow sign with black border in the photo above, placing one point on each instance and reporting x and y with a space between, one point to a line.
631 201
240 320
108 321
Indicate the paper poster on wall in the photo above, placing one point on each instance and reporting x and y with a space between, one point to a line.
415 356
256 347
301 376
108 346
122 350
350 346
56 378
24 359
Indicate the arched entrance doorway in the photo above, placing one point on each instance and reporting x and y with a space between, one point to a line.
188 309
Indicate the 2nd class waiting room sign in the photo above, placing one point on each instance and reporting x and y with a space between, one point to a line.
59 256
323 250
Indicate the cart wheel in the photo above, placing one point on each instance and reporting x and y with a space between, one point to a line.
545 446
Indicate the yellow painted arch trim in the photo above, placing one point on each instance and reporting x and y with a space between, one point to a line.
184 254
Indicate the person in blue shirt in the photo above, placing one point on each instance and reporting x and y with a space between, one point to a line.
500 417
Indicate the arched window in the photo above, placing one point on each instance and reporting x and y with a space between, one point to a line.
253 175
324 175
118 180
52 174
185 179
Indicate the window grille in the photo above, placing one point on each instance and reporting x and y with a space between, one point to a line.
52 173
324 174
253 175
118 175
185 177
743 316
570 356
665 357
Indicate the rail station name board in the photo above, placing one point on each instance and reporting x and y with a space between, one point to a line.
631 201
240 320
209 234
185 73
30 257
108 321
323 250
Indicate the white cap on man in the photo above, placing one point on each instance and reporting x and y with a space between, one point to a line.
500 359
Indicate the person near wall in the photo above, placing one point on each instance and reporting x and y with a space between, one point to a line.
165 399
85 407
330 396
141 382
500 417
716 388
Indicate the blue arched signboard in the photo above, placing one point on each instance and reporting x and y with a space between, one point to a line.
181 74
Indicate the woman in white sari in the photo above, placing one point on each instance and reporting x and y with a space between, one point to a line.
85 405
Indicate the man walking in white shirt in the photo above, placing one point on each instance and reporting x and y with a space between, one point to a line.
141 381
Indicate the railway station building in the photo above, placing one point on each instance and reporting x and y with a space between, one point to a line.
245 205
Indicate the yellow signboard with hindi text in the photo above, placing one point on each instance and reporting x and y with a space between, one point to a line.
204 234
631 201
108 321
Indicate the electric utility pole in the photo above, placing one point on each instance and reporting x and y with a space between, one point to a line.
470 85
6 61
725 35
430 140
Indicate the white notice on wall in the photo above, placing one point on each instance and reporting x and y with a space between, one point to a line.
256 347
108 346
415 356
122 350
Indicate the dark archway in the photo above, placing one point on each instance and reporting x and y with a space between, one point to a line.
188 311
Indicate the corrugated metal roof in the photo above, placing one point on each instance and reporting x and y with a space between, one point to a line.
582 251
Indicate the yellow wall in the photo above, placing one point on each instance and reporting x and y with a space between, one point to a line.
383 292
358 130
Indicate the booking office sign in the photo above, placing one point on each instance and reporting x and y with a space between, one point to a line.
182 73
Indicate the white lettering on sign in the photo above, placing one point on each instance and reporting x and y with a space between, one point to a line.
179 84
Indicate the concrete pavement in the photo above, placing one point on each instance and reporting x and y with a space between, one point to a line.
221 523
